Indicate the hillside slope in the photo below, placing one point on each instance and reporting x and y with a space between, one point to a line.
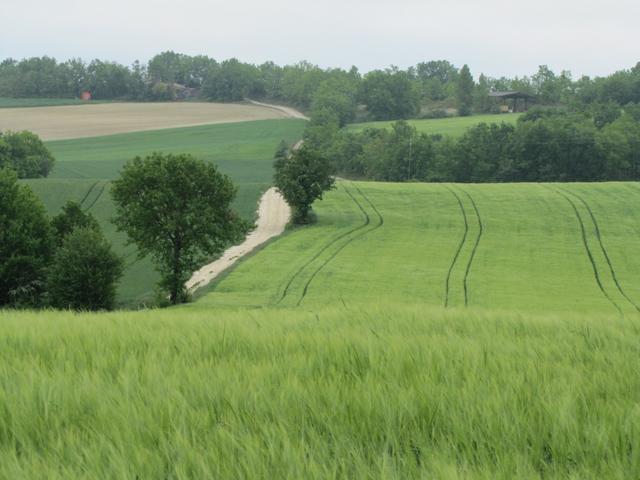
84 168
524 247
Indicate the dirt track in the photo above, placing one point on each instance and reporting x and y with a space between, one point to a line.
75 121
288 111
273 216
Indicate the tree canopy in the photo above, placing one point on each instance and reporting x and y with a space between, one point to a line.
25 153
25 243
176 208
84 272
71 218
302 178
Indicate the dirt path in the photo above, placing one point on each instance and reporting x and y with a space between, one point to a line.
291 112
273 216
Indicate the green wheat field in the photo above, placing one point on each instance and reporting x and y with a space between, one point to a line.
415 331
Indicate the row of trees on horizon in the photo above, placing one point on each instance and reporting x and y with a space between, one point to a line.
430 88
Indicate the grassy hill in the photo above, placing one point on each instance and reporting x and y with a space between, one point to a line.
415 331
454 126
84 168
527 247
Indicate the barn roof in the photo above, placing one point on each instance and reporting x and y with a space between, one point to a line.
510 94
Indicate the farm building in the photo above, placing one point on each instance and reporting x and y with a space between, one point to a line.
512 101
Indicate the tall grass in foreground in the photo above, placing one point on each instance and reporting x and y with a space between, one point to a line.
373 392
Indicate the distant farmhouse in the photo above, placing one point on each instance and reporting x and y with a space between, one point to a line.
512 101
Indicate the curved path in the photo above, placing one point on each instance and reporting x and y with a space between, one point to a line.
290 112
273 216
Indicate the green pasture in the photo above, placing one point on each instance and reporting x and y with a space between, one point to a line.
84 168
453 126
540 248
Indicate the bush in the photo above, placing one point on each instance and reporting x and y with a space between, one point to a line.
84 272
25 153
69 219
25 243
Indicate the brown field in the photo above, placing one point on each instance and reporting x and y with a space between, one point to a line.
56 123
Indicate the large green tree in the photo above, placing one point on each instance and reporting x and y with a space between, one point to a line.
464 91
25 243
390 94
25 153
177 209
302 178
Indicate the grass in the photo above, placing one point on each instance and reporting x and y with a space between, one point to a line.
6 102
415 331
84 168
454 126
386 390
522 249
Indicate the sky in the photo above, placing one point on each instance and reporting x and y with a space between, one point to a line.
495 37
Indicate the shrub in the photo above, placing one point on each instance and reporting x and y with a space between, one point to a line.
25 243
25 153
84 272
69 219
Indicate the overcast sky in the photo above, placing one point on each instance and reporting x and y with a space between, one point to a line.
497 37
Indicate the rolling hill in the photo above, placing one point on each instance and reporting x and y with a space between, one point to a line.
84 168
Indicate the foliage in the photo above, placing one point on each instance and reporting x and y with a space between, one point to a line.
85 167
232 81
176 208
545 145
437 78
84 272
389 94
429 83
72 217
464 91
170 67
25 243
302 178
25 153
336 95
482 103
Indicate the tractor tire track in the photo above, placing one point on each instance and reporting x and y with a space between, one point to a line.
323 249
474 249
348 242
602 247
86 195
588 250
460 246
104 185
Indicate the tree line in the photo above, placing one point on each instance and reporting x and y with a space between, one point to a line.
546 145
428 89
